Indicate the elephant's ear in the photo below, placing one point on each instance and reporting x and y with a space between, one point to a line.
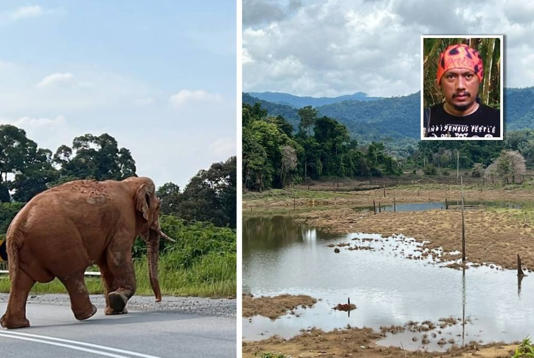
142 197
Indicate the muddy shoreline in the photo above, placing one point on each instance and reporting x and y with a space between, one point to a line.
275 307
359 342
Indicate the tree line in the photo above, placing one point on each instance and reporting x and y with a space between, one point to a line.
274 156
435 155
26 170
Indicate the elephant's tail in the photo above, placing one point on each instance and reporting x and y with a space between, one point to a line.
13 242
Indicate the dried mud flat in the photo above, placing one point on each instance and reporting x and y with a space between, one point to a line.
491 237
404 194
358 342
275 307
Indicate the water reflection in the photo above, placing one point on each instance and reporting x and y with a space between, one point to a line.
387 288
463 306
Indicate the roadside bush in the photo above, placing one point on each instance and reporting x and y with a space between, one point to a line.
430 169
525 349
478 170
194 241
7 213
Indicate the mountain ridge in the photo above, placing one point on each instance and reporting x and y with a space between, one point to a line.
397 119
302 101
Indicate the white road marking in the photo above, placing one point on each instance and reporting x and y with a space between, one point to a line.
74 345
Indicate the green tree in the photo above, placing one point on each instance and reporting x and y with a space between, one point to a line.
93 157
308 116
209 196
169 194
31 166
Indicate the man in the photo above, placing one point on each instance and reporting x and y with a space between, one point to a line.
460 73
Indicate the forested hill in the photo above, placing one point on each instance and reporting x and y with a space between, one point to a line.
398 119
289 113
299 102
394 118
519 108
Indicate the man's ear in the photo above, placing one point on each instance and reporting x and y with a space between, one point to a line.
436 85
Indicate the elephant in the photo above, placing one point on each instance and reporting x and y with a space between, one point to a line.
65 229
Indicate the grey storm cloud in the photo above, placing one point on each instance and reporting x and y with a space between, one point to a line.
264 11
333 47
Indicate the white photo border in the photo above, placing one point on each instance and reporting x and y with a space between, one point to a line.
501 80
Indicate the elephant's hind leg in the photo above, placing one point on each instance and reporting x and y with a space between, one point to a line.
15 316
79 296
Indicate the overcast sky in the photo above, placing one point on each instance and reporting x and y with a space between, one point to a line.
335 47
157 76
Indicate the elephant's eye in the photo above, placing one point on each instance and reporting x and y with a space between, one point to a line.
147 198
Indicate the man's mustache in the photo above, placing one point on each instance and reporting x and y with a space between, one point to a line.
463 93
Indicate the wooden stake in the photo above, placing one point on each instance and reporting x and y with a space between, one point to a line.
463 225
374 207
520 272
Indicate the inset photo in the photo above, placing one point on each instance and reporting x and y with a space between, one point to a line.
462 82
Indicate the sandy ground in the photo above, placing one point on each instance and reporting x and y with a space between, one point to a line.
274 307
492 237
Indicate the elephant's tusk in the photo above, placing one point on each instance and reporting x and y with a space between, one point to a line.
163 235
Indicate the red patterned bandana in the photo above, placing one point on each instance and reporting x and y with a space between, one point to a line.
460 56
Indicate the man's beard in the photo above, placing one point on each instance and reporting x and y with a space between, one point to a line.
462 107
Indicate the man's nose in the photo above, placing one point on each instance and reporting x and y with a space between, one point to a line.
460 82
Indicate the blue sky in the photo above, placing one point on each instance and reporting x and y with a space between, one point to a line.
159 76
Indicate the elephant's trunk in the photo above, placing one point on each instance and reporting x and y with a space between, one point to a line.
152 256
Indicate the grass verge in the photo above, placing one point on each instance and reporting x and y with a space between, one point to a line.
202 262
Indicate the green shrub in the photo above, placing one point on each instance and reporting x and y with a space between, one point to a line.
525 349
7 213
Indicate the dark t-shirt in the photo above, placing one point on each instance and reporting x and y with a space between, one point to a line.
483 123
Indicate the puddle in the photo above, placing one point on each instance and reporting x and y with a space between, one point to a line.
414 206
388 289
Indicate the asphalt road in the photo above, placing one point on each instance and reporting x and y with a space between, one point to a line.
165 332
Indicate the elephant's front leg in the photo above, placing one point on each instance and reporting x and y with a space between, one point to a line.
119 280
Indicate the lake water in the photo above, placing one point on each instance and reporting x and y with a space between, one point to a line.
280 256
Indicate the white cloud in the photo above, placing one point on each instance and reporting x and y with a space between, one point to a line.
334 47
185 97
223 147
56 79
25 12
47 132
39 122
